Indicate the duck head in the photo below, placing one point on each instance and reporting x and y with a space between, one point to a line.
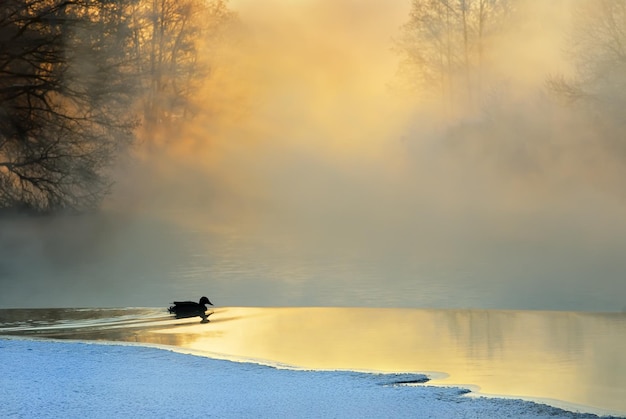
205 300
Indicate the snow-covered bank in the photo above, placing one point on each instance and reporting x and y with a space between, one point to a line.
69 379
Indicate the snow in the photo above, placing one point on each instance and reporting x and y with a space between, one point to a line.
51 379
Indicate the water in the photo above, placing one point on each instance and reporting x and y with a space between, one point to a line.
140 260
571 360
537 318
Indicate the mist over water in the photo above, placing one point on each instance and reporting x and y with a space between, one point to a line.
316 181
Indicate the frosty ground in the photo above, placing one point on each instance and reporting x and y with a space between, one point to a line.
40 378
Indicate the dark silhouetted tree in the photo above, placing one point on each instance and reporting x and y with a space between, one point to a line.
66 85
77 78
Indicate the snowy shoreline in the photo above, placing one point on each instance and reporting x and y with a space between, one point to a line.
50 378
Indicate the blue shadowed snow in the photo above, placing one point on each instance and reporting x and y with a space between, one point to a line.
68 379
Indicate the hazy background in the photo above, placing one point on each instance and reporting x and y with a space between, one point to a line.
313 178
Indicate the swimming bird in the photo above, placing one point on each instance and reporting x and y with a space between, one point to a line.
185 309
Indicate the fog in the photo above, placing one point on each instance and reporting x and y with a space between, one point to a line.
312 178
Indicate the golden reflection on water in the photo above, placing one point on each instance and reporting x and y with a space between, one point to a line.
578 358
569 358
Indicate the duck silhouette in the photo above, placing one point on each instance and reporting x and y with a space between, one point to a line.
186 309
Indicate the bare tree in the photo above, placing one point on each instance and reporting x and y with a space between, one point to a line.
169 44
598 53
64 97
444 44
77 77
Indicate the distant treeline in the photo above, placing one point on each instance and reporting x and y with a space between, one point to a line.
446 47
81 80
447 50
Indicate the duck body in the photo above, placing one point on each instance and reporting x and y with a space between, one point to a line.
186 309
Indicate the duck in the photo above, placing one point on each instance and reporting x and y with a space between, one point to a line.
186 309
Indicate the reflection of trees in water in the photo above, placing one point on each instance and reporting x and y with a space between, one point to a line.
476 336
488 334
481 332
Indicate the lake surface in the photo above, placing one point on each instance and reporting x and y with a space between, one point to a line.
538 315
573 360
137 260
